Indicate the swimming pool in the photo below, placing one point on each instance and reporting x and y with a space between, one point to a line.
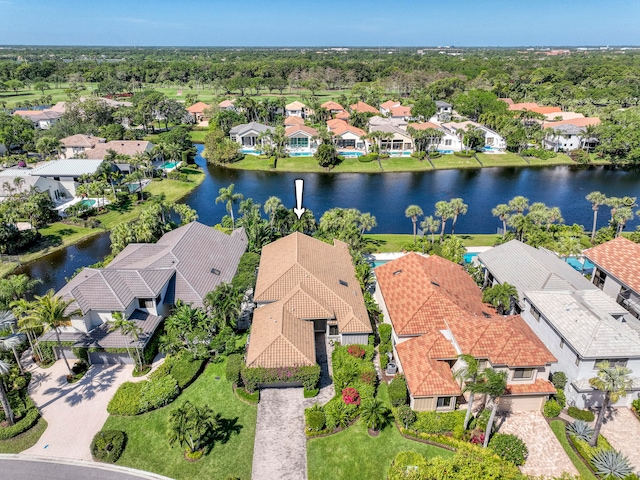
469 257
301 154
580 266
377 263
169 165
351 154
87 203
446 152
250 151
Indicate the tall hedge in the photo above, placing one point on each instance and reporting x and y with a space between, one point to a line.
398 391
309 376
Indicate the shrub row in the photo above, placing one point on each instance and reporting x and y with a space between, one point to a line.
465 153
398 391
233 368
541 153
252 398
177 175
182 367
108 445
435 154
368 158
384 330
509 447
245 278
25 423
584 415
438 422
551 409
309 376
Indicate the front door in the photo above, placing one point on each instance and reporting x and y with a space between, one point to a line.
320 326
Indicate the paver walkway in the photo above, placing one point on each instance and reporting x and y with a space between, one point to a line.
74 412
546 455
280 448
622 429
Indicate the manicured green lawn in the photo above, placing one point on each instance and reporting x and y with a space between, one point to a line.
232 453
197 136
558 427
353 453
405 164
393 242
25 440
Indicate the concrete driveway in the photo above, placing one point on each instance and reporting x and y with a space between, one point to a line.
622 429
546 455
74 412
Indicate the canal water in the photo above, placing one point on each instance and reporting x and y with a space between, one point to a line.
386 196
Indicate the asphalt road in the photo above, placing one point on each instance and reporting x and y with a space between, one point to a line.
28 470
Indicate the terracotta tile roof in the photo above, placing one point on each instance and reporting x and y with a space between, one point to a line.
523 106
331 105
423 366
389 104
620 258
504 340
363 107
424 126
198 107
401 111
227 103
540 386
422 292
79 140
305 279
343 128
295 106
507 100
335 123
289 131
578 122
342 115
289 121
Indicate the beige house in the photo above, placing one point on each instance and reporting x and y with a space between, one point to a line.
436 313
76 145
305 288
295 109
121 147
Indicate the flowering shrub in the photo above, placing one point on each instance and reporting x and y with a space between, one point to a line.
369 377
356 351
477 437
509 447
350 396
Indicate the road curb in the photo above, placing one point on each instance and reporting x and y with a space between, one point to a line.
83 463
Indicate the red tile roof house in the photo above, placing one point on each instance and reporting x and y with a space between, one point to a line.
347 136
332 107
197 111
305 287
385 108
78 144
437 314
617 272
364 108
301 139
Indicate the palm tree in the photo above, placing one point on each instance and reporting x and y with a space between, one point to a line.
19 182
51 311
128 328
412 212
374 414
622 216
519 204
614 381
473 380
597 199
458 207
271 206
431 225
21 309
8 322
367 222
227 196
5 368
501 296
189 425
502 211
224 304
495 385
445 212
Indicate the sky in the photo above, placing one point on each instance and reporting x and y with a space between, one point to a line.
319 23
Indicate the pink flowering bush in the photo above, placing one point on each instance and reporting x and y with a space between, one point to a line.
356 351
350 396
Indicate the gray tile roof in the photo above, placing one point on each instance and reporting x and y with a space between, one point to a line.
580 318
441 104
67 168
191 253
247 127
530 269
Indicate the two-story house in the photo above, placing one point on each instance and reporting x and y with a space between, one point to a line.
436 313
75 145
143 283
577 322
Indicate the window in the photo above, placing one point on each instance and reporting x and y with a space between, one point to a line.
443 402
535 313
562 343
447 142
614 362
146 303
522 373
577 360
333 330
599 278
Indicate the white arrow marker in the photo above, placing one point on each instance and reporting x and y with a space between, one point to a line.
299 209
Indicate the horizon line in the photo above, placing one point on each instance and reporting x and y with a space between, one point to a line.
321 46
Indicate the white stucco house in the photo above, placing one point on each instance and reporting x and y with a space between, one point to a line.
248 134
493 141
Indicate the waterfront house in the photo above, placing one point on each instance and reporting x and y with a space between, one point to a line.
401 112
302 138
400 140
346 136
120 147
197 111
305 289
79 144
332 107
449 142
26 182
42 119
577 322
248 134
493 141
436 313
66 173
567 137
295 109
143 283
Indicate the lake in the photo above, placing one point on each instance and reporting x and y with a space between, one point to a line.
386 196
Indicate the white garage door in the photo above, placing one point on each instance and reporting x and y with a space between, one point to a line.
521 403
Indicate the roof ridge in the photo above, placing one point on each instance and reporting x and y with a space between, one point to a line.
101 273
